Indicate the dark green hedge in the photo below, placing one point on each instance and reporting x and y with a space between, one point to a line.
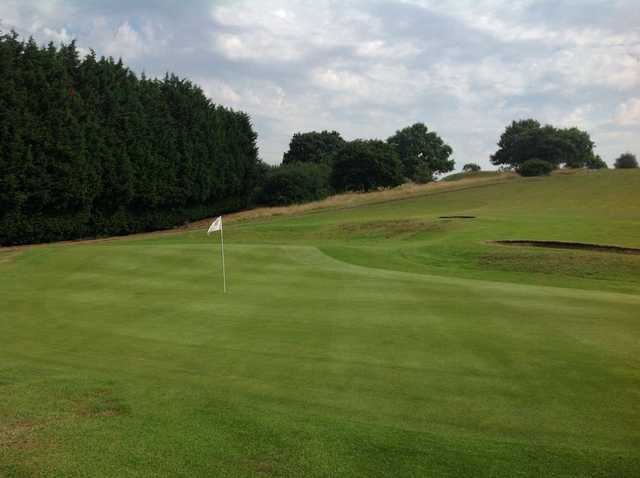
89 149
295 183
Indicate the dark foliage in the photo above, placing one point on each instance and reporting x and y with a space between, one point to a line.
313 147
89 149
423 174
419 150
363 165
535 167
596 162
295 183
527 139
626 161
471 168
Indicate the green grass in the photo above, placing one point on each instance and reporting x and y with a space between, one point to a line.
376 340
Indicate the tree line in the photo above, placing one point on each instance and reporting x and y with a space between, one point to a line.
533 149
88 148
318 164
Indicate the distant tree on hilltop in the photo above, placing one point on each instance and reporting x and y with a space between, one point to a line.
528 139
420 149
596 162
626 161
471 168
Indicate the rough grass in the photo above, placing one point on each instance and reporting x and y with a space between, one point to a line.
365 340
473 175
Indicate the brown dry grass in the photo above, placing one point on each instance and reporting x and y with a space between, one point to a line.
346 200
20 435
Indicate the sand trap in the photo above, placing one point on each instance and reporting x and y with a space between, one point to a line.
571 245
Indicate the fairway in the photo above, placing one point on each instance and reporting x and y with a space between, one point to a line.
373 340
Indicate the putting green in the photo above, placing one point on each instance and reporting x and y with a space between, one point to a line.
369 341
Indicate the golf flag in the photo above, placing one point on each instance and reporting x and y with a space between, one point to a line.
216 225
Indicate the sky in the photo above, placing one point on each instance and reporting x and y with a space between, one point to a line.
465 68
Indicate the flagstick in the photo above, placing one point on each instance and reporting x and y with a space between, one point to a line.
224 276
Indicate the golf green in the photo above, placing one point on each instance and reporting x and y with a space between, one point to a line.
377 340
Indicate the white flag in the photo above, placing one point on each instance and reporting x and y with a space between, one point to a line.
215 226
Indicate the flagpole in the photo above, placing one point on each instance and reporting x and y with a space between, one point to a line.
224 276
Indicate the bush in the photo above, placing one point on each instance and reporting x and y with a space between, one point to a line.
295 183
535 167
595 162
471 168
626 161
423 174
363 165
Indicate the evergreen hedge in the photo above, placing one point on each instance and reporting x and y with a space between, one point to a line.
87 148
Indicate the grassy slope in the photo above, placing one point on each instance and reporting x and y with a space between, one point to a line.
368 341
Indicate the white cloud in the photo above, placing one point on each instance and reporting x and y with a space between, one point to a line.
387 50
628 113
277 30
465 67
130 43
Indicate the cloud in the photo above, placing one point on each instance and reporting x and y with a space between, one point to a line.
628 113
367 68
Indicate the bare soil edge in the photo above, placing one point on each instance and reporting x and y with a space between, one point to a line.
583 246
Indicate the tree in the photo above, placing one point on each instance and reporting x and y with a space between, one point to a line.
535 167
363 165
527 139
418 148
423 174
471 168
626 161
295 183
313 147
87 148
582 147
595 162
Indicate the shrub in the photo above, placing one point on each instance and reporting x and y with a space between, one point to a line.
535 167
595 162
363 165
626 161
423 174
471 168
295 183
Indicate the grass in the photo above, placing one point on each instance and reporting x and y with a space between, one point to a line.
472 174
364 339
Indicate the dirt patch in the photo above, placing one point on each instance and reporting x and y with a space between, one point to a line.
388 229
20 435
456 217
101 403
8 256
582 246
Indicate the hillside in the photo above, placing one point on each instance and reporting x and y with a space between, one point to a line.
361 336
